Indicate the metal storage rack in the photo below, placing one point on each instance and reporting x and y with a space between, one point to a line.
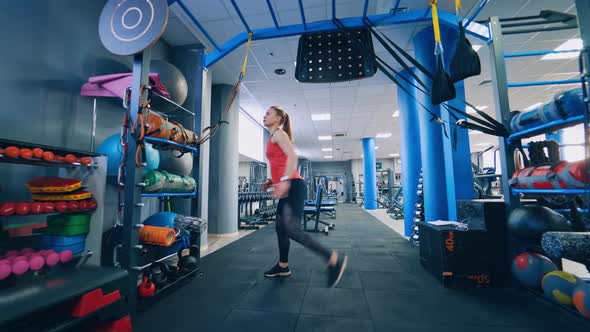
30 292
513 196
129 251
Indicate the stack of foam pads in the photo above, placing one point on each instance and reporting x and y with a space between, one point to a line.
472 255
49 195
16 263
66 232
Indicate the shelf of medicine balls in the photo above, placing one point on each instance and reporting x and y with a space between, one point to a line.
26 153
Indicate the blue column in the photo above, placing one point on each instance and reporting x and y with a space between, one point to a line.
409 133
431 135
370 173
458 172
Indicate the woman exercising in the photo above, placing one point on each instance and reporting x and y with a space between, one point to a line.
290 188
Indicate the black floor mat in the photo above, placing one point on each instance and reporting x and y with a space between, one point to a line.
384 289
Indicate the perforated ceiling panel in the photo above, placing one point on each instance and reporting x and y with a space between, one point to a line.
335 56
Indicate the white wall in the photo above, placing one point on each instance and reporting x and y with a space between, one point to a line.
250 136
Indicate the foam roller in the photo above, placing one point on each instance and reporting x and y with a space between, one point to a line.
570 245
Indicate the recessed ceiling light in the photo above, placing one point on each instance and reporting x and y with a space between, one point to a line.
395 114
533 106
376 148
475 132
470 109
321 117
280 71
483 144
326 149
476 47
571 44
394 154
324 138
328 157
383 135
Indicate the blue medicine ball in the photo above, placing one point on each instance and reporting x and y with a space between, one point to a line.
111 147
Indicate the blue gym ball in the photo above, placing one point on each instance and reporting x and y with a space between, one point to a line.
111 147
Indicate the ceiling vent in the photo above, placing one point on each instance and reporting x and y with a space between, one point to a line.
341 134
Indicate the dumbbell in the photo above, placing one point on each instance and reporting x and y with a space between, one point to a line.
420 180
420 193
415 228
417 219
420 186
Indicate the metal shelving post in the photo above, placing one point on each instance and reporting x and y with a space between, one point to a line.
131 212
498 71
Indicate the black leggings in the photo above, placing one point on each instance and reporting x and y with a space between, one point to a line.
288 225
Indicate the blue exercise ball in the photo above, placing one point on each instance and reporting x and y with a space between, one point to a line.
111 147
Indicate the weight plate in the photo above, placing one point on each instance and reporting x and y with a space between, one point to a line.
128 27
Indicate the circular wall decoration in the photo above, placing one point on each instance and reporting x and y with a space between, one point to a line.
128 27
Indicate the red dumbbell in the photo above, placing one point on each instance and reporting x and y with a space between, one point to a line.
83 205
5 271
73 206
61 206
23 208
36 207
51 257
20 267
7 209
36 262
48 207
65 256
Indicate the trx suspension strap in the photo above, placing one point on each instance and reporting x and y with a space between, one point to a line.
211 130
442 87
489 122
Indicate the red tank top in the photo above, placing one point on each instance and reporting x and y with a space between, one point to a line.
278 162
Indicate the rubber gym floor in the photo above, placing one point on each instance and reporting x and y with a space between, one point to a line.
384 289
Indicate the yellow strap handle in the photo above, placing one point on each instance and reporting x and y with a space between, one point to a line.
246 56
435 21
457 4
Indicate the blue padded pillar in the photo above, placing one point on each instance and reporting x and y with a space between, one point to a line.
370 173
409 133
458 172
431 135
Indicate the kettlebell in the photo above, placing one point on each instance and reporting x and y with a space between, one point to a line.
159 272
146 288
188 263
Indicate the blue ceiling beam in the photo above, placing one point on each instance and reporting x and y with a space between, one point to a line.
272 13
333 9
302 14
195 21
327 25
365 8
482 4
233 2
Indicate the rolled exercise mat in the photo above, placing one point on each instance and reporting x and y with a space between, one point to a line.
570 245
162 181
161 236
564 175
564 105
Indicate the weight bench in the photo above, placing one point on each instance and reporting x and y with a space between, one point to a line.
314 212
326 206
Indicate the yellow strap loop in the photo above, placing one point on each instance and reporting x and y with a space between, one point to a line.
457 4
435 21
247 51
